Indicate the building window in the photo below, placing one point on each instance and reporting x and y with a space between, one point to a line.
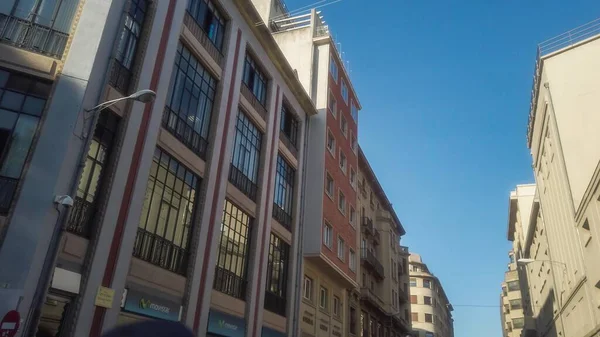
284 193
352 322
277 273
232 257
190 102
245 160
352 177
324 299
414 316
352 216
307 291
343 161
329 185
428 318
332 104
413 282
353 141
337 306
345 91
22 101
84 208
516 304
518 323
333 69
327 235
513 286
344 125
427 284
352 258
255 80
289 125
166 222
427 300
341 249
208 17
342 202
354 111
413 299
122 71
330 142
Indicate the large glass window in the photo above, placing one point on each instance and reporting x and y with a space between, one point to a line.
289 125
90 184
516 304
518 323
255 79
345 91
22 101
165 225
232 258
122 70
333 69
284 192
190 102
246 156
513 285
277 275
209 18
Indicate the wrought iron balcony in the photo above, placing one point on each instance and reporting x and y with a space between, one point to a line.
32 36
230 283
201 36
256 104
370 260
367 224
80 219
369 295
275 303
160 252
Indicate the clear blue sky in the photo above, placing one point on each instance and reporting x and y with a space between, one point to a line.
445 94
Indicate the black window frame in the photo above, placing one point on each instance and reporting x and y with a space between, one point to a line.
26 99
92 179
168 250
427 299
285 178
277 277
229 281
127 48
191 129
253 75
245 159
430 318
289 125
209 16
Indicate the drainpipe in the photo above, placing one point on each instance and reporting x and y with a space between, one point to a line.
300 251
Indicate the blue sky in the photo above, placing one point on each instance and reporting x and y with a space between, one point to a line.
445 90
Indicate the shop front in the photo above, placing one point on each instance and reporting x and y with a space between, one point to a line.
224 325
139 305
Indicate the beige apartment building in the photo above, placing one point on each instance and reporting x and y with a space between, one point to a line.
431 310
384 291
190 204
563 141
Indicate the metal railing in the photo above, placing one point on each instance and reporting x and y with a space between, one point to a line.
120 77
8 187
80 219
288 144
239 180
282 217
201 36
185 133
32 36
549 46
275 303
370 259
370 295
230 283
256 104
160 252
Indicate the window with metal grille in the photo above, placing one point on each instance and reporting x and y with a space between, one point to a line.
190 102
246 156
122 70
284 192
22 102
210 19
255 79
277 276
167 214
84 208
289 125
232 258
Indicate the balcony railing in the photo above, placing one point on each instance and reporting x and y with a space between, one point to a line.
282 217
160 252
371 260
80 219
201 36
120 77
275 303
288 144
249 95
8 187
230 283
367 224
32 36
239 180
369 295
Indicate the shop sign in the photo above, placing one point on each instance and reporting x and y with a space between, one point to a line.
226 325
147 305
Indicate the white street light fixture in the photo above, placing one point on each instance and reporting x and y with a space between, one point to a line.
525 261
144 96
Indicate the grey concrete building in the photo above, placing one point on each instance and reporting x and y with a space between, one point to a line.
189 205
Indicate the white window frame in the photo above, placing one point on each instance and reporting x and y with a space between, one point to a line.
331 193
329 100
327 235
352 258
353 177
341 249
331 150
353 141
333 68
336 306
307 288
342 128
352 216
343 161
344 89
324 305
343 208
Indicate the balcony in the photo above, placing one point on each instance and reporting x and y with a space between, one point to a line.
367 225
404 250
366 294
80 218
275 303
251 98
402 296
31 36
370 260
160 252
201 36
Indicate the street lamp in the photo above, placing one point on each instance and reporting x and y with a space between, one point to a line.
144 96
524 262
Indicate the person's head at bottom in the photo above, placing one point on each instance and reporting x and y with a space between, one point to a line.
153 328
